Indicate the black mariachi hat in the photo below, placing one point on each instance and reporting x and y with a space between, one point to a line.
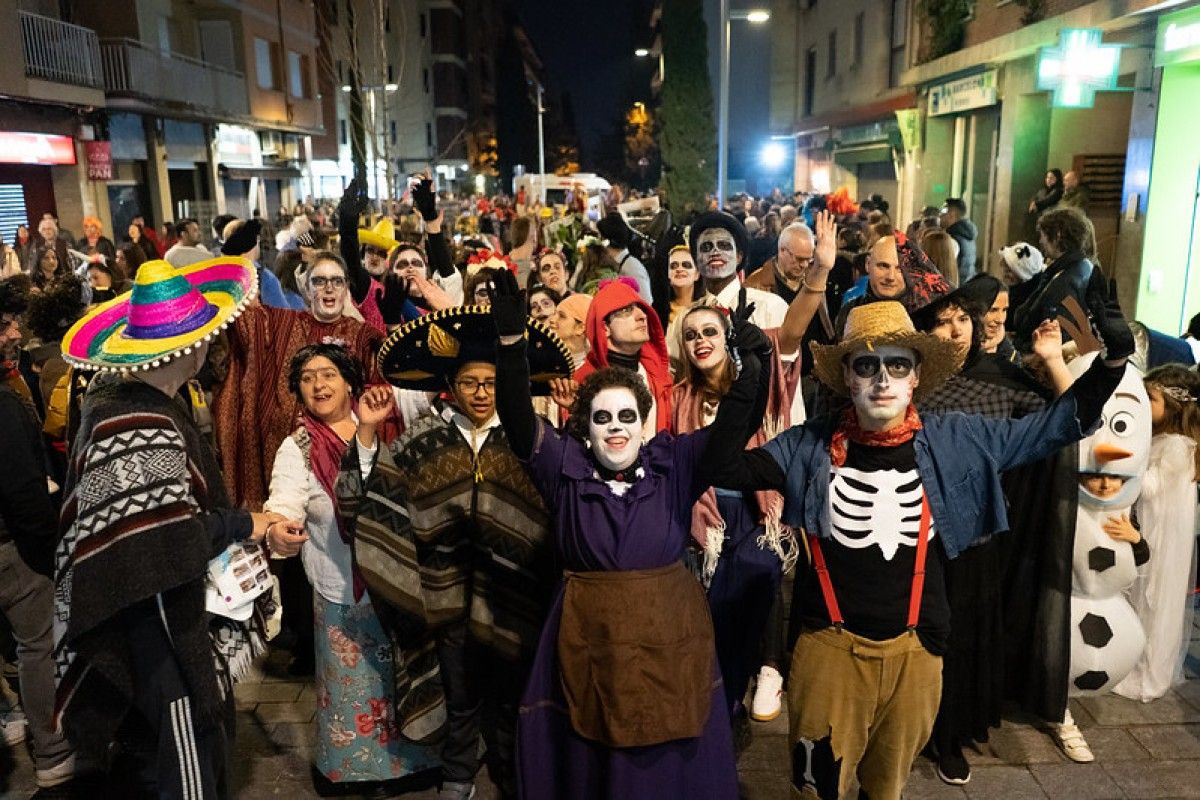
424 354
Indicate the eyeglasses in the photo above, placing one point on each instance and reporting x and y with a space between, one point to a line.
623 313
405 263
804 262
472 385
707 332
718 244
321 281
869 366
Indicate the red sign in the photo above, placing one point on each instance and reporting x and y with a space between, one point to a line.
36 148
99 160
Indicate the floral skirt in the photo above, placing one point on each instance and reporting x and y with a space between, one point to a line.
357 736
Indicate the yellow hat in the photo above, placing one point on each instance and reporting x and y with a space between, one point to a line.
382 236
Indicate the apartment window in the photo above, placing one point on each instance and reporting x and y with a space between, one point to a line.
422 26
342 137
391 74
859 24
387 20
899 38
428 135
392 129
264 64
425 79
298 72
831 65
341 71
810 80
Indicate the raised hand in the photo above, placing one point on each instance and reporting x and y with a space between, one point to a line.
563 392
826 247
1110 323
508 308
744 335
375 405
354 200
1047 340
393 299
423 198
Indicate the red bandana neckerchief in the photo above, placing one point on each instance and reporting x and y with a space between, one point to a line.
848 430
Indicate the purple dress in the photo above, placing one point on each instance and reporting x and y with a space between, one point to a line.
596 530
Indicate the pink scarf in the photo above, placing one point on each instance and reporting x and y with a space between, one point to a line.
325 460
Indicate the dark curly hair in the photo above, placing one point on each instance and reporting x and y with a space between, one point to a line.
598 381
52 312
14 294
347 365
1065 228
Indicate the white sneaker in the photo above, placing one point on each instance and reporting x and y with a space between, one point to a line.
61 772
453 790
1071 740
13 726
768 695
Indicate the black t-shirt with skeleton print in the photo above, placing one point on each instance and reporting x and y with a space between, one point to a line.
875 500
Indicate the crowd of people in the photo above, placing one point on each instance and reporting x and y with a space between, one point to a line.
528 487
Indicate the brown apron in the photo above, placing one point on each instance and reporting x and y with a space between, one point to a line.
637 655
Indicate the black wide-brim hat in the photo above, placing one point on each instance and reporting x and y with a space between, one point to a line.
719 219
425 353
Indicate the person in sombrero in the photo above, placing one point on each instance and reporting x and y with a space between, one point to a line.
138 659
886 496
451 535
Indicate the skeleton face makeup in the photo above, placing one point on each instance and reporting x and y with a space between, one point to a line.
615 428
704 339
716 254
878 385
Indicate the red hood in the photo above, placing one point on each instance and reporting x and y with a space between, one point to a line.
654 359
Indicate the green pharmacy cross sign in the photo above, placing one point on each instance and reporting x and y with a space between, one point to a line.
1078 68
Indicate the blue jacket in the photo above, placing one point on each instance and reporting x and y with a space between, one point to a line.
959 458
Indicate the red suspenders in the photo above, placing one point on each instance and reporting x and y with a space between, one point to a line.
918 579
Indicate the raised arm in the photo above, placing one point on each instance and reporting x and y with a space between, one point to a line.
812 289
353 201
437 250
514 404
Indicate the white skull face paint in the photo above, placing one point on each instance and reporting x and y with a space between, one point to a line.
716 254
881 382
615 428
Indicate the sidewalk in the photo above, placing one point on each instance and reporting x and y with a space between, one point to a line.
1142 750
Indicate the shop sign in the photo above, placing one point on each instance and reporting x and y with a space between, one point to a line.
964 94
1078 68
36 148
1178 38
99 160
238 145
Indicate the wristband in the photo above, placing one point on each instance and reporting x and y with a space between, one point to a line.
814 289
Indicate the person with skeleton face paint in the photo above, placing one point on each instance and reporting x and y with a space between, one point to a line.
644 717
886 496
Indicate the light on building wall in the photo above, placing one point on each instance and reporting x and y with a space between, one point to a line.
773 155
391 87
1078 68
345 87
641 52
480 185
758 15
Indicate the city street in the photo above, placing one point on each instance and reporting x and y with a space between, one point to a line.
1142 750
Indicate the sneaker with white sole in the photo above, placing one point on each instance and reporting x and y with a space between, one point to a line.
454 790
60 773
1071 740
768 695
13 726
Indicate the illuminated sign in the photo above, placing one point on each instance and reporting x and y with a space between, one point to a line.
36 148
1178 38
964 94
1078 68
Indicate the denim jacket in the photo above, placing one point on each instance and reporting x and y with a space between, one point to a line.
959 458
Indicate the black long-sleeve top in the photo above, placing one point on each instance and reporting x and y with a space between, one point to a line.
27 515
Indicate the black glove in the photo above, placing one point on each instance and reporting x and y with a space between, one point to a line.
424 200
354 201
744 335
1110 322
392 299
508 307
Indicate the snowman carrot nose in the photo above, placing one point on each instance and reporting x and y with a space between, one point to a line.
1105 453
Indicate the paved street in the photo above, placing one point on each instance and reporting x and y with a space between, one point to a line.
1142 751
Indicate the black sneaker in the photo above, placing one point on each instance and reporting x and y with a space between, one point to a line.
953 768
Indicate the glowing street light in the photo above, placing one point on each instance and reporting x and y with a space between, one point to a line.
641 52
755 16
773 155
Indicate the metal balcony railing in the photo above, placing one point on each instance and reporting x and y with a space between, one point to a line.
132 69
60 52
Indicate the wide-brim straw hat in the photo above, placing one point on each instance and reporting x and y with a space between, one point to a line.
886 323
167 313
425 353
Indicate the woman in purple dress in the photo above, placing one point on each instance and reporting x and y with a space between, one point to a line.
625 699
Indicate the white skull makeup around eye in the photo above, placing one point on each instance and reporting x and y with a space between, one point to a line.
716 253
615 428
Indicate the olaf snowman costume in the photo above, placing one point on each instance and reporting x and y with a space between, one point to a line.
1107 638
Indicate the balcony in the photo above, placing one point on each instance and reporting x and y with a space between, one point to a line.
59 52
145 74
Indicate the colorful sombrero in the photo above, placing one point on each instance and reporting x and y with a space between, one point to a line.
424 353
382 236
168 312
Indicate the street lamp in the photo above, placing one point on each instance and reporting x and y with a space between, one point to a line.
754 16
641 52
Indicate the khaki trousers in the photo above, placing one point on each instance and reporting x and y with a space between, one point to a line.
868 705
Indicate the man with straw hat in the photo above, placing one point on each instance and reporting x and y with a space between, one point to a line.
137 658
886 496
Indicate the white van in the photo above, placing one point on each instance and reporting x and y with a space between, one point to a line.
552 190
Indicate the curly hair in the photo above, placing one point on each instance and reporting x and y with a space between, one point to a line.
14 294
598 381
52 312
347 366
1067 229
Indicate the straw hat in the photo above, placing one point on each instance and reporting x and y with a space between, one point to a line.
382 236
168 312
424 353
886 323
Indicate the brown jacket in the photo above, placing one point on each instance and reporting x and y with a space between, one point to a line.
763 277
